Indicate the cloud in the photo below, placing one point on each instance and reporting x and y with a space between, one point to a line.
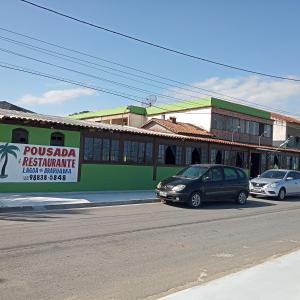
55 96
261 91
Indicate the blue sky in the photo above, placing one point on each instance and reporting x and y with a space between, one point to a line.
255 35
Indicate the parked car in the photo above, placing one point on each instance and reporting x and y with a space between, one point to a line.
277 183
205 182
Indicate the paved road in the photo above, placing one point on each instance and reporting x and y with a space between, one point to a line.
138 251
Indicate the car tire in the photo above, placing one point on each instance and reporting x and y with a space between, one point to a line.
281 195
242 198
195 200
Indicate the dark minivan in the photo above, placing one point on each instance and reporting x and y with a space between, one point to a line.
205 182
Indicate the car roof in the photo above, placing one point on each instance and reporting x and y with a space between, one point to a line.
283 170
213 165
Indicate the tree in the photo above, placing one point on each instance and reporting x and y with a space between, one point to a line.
5 150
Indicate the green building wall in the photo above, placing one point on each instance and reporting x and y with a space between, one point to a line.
93 177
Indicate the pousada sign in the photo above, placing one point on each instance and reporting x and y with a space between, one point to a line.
36 163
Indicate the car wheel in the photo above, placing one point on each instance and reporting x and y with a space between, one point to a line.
242 197
195 200
281 194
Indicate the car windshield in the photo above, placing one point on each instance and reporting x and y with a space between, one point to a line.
273 174
192 172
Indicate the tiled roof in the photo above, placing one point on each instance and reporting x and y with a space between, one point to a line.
7 105
178 127
51 120
288 119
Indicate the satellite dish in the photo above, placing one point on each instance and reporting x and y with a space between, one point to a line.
150 100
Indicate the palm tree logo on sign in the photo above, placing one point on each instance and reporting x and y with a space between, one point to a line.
6 151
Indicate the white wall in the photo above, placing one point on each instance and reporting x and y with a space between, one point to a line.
279 132
200 117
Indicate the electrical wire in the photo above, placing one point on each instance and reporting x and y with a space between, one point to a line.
74 60
157 45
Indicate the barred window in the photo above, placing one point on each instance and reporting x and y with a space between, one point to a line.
188 155
149 152
161 154
115 150
98 149
137 152
178 155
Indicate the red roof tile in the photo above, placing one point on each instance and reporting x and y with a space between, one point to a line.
179 127
288 119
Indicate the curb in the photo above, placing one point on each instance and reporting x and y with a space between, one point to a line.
70 206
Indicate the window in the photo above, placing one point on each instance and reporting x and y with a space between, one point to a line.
188 155
137 152
247 127
193 155
170 154
241 173
294 175
229 124
215 174
235 123
261 129
227 157
178 155
230 174
242 126
268 130
57 139
115 150
149 153
161 154
20 136
98 149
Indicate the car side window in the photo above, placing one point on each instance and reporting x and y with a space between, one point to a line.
292 175
241 173
216 174
230 174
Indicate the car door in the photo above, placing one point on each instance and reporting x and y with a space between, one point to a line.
291 185
213 184
232 182
298 183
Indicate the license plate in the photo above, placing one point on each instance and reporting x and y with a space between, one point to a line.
163 194
256 190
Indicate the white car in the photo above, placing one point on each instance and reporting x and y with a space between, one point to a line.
277 183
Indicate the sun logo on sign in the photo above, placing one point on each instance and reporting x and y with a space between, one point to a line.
5 151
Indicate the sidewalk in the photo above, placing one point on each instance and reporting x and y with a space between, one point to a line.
36 201
277 279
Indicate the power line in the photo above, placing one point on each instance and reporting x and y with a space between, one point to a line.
74 60
157 45
107 80
81 84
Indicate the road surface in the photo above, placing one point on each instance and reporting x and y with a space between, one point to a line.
138 251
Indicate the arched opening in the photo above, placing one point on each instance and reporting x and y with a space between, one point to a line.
219 157
196 156
19 136
57 139
239 160
291 167
276 162
170 157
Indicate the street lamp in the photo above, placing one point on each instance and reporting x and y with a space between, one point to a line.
234 131
261 137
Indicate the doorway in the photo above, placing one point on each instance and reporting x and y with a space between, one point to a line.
196 156
255 165
219 157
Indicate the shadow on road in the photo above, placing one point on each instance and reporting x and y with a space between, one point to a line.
228 204
40 216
